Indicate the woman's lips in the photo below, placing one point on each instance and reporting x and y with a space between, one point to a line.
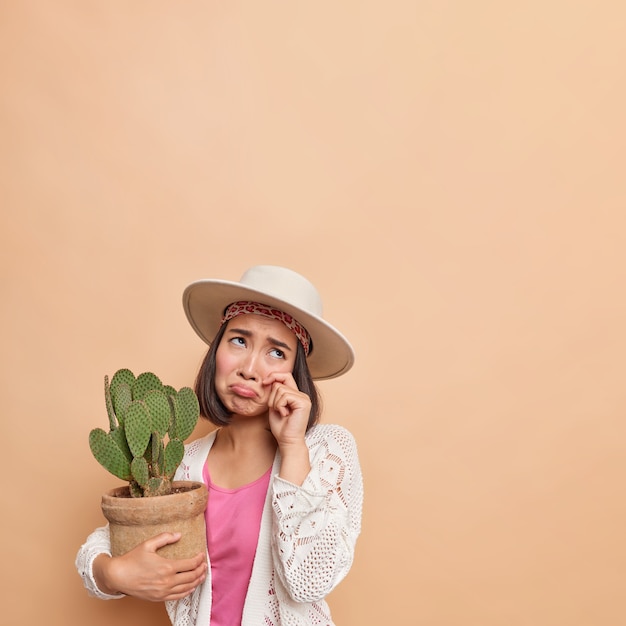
243 391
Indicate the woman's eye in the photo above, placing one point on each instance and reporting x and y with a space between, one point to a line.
238 341
279 354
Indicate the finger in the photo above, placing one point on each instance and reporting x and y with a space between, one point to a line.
189 565
278 400
178 596
276 393
171 585
158 541
285 404
289 400
284 378
185 584
190 578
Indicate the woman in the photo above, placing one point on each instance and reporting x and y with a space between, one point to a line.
285 493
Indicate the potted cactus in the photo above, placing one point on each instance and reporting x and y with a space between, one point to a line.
148 424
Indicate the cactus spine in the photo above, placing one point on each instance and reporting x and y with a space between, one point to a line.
148 423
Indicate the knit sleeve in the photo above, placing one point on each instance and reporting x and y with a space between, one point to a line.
316 525
97 543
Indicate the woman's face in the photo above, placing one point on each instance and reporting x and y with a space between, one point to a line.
252 348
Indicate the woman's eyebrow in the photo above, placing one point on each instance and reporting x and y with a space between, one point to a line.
240 331
279 344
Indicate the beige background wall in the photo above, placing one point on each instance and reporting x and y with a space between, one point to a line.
451 176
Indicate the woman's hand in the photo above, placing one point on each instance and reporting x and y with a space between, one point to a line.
143 574
289 411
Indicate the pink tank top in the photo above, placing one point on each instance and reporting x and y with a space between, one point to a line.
233 520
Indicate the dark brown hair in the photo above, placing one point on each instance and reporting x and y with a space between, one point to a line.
212 408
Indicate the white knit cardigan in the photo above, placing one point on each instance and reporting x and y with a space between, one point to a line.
306 541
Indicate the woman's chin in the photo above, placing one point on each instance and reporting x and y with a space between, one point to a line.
246 409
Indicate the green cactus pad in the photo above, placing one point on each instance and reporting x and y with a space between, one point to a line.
122 376
119 436
138 427
144 383
173 455
109 404
169 390
140 470
186 413
121 396
157 454
159 408
108 453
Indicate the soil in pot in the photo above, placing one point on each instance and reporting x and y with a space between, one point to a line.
133 520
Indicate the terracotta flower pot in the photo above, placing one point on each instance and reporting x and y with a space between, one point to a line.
133 520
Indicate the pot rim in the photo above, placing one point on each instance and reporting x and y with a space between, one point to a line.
154 509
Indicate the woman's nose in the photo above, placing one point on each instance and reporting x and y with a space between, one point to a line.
248 367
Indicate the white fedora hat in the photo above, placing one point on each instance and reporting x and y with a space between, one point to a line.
205 301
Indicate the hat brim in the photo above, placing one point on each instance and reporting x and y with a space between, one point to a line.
204 302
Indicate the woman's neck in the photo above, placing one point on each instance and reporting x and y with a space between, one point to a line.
245 432
242 452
